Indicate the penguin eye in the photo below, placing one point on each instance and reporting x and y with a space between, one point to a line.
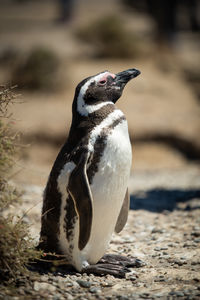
102 82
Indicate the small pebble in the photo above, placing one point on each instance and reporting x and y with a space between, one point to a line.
120 297
57 297
197 240
44 278
157 230
196 279
196 233
157 249
94 290
158 295
179 294
43 286
85 284
107 284
132 278
164 248
154 255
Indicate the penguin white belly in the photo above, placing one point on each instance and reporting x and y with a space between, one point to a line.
108 189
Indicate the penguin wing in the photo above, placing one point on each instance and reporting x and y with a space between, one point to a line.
79 189
123 215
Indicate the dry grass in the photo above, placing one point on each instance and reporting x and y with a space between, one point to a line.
37 71
16 247
109 38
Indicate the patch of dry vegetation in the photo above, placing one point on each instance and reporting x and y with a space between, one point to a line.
109 38
38 70
16 247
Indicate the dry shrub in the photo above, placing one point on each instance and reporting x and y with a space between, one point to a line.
16 247
110 38
38 71
7 139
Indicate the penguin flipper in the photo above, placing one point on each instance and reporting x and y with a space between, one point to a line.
79 190
123 215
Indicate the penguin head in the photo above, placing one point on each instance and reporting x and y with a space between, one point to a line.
94 92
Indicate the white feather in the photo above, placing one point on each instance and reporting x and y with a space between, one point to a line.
113 116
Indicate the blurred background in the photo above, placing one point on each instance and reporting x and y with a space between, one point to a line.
47 47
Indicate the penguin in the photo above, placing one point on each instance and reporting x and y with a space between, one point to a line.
86 197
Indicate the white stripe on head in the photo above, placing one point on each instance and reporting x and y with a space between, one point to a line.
86 109
113 116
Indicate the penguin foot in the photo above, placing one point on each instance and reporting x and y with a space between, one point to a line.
122 260
115 265
104 269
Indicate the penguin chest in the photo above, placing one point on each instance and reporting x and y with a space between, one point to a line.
115 161
109 188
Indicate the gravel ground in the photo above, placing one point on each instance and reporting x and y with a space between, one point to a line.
163 231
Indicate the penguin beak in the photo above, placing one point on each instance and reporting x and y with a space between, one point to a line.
122 78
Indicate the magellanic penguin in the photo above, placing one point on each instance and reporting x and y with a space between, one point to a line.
86 198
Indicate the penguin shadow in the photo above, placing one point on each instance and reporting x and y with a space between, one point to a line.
50 265
159 200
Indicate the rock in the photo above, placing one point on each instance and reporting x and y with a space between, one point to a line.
68 296
107 284
43 286
120 297
158 295
58 297
157 230
132 278
164 248
85 284
171 245
157 249
195 233
178 262
179 294
160 279
68 284
44 278
197 240
95 290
